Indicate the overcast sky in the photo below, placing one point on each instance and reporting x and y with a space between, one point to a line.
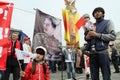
24 14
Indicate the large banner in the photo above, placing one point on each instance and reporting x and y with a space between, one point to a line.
5 20
47 33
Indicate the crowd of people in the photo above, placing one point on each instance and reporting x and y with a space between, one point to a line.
91 57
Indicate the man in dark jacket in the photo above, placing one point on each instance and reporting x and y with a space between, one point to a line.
99 58
114 58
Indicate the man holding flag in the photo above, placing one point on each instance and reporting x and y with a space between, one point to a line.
13 65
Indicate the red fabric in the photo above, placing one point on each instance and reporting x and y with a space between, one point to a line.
4 56
5 21
39 72
18 46
26 38
87 62
80 23
3 59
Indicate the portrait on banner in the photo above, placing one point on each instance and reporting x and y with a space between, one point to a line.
47 33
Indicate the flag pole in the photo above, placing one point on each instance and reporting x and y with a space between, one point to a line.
19 65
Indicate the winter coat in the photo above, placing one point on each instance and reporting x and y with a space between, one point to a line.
11 56
39 72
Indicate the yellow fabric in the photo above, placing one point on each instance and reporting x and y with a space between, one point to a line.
70 20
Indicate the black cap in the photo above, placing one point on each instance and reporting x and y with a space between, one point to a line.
98 9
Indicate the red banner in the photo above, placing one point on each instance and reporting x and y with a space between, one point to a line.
5 20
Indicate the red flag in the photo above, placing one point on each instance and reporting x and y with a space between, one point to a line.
5 20
80 22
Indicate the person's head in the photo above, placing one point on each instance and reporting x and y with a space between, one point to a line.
14 36
111 45
86 17
40 51
68 45
98 13
49 26
26 40
78 48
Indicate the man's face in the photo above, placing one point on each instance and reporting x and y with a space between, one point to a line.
98 14
14 36
68 46
48 27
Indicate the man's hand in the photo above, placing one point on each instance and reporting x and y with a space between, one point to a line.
88 37
91 34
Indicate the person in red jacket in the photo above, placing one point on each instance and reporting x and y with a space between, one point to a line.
37 69
12 63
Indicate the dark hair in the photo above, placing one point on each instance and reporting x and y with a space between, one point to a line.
98 9
53 24
78 47
40 51
33 66
111 45
85 44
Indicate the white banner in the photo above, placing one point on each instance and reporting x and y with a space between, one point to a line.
23 54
